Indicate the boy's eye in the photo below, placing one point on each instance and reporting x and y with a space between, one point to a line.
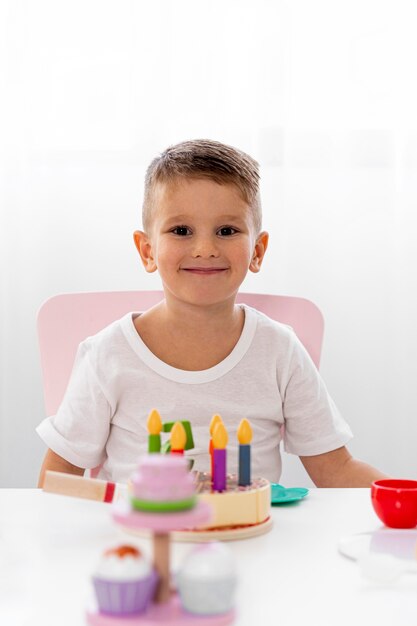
182 231
226 231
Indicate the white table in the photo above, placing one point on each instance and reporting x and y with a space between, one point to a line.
294 575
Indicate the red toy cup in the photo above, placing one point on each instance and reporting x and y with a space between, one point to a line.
395 502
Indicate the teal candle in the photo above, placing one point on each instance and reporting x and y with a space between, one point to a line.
244 465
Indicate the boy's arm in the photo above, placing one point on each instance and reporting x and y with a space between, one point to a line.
53 461
339 469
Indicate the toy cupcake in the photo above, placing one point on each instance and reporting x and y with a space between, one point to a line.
124 582
207 580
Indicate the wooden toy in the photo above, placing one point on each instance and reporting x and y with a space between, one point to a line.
214 420
154 425
124 582
238 511
244 435
156 491
207 579
236 505
178 438
189 442
240 504
220 439
285 495
224 533
395 502
80 487
162 478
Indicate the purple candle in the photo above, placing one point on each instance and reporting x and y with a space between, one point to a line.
219 469
220 438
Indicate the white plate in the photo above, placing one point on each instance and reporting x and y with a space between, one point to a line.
399 543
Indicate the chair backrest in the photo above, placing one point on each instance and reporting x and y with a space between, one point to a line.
67 319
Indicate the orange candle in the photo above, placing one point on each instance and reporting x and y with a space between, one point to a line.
178 438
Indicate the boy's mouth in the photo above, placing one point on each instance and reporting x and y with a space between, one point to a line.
204 271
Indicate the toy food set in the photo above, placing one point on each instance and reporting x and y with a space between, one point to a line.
240 503
130 591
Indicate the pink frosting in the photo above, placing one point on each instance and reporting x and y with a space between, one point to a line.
163 478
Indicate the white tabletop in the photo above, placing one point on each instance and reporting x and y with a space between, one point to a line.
294 575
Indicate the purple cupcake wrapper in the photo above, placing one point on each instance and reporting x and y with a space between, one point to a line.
125 597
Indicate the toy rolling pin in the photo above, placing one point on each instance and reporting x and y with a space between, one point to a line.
81 487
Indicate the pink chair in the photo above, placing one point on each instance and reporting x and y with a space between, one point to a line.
67 319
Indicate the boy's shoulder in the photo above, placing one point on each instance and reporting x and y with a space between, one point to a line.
277 341
110 336
267 325
273 339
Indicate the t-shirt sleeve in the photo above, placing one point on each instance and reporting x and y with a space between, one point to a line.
313 423
80 429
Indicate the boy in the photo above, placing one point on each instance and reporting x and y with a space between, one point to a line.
198 353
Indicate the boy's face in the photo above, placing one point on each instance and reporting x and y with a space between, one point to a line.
202 241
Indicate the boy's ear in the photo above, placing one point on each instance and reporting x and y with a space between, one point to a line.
259 252
144 247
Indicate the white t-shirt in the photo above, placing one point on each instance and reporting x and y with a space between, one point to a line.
269 378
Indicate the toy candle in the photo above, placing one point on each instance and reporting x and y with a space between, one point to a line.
178 438
216 419
244 435
154 425
220 439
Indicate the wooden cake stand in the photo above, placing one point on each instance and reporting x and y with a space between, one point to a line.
166 608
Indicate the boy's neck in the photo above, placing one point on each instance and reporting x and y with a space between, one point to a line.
222 316
190 337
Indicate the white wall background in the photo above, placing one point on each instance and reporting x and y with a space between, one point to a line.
322 93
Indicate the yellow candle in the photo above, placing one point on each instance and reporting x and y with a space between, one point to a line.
154 424
220 436
244 432
178 438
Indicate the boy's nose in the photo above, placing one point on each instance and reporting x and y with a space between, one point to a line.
205 247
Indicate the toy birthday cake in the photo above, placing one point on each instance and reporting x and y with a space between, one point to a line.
236 505
236 500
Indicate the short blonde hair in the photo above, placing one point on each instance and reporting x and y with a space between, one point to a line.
204 158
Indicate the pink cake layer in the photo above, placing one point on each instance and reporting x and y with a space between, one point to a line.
162 478
127 517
